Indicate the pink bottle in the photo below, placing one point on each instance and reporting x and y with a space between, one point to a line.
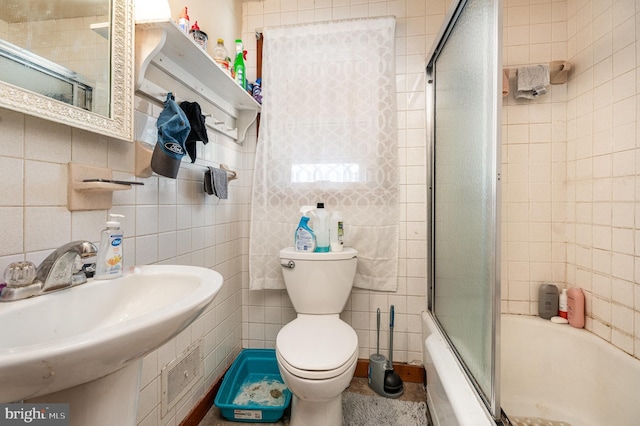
575 307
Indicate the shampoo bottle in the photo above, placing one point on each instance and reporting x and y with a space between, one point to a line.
575 307
562 305
321 229
547 300
109 262
336 232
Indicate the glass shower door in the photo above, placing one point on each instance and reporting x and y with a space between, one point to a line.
464 98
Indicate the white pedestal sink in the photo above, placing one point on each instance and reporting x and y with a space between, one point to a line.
84 345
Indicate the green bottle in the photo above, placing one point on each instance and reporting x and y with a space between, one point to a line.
238 66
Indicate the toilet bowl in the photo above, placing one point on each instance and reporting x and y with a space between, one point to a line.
317 352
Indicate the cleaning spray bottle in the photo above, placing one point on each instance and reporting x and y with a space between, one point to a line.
109 262
305 239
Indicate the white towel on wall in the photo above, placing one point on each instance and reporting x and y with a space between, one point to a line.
532 81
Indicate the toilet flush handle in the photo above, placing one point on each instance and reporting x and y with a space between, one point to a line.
290 264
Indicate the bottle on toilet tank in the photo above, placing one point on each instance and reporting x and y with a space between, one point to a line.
321 228
305 238
336 231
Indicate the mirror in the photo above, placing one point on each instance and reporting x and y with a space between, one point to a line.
69 61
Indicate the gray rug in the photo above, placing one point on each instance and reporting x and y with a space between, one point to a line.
366 410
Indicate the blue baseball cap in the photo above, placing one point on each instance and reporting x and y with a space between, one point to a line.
173 129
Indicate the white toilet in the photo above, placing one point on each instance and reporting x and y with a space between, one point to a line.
317 352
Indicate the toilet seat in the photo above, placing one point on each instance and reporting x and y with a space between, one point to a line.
317 346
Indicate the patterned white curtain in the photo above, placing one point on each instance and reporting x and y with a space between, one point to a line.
328 133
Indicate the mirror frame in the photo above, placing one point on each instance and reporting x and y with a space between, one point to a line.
120 123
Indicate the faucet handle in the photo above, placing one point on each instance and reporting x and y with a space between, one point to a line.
20 274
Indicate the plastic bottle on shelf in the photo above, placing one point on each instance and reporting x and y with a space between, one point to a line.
221 56
238 66
183 21
199 36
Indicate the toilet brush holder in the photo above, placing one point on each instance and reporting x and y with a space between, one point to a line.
377 368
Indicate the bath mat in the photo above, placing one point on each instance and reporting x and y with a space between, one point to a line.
535 421
367 410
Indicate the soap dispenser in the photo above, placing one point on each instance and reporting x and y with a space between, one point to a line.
109 262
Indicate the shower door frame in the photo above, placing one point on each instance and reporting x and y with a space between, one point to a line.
492 401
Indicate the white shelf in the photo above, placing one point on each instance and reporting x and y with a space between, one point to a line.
162 44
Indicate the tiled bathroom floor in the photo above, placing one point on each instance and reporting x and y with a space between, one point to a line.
412 392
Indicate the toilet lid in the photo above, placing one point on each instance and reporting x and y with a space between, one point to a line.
317 342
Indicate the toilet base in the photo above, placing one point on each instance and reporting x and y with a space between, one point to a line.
316 413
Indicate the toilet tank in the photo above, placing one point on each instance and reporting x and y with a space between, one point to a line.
318 283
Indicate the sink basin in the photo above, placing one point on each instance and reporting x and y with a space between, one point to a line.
81 334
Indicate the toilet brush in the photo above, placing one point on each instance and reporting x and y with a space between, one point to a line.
393 386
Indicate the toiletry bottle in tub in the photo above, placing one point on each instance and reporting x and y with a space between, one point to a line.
547 300
562 305
575 307
109 261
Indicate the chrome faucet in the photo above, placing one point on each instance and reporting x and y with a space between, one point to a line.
65 267
61 269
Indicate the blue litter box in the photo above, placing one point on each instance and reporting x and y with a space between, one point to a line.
253 390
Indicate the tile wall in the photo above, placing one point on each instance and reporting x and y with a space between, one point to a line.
570 163
602 166
533 158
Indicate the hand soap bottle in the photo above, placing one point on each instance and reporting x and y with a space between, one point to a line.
109 262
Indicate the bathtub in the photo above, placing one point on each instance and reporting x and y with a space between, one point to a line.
548 371
451 400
